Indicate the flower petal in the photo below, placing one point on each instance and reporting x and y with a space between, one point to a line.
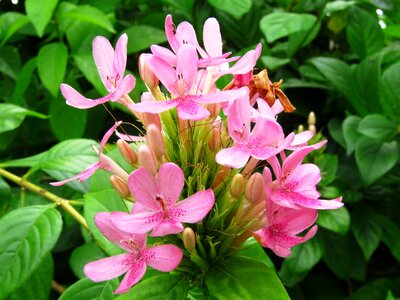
246 62
143 186
137 223
103 54
119 62
190 110
154 107
108 268
75 99
187 65
170 32
125 86
133 276
223 96
163 258
170 181
281 197
165 73
81 176
194 208
165 54
167 227
234 157
212 37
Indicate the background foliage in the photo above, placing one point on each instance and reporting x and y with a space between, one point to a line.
340 59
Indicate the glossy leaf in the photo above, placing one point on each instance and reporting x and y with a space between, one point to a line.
252 249
244 278
23 80
236 8
350 133
337 220
328 164
141 37
378 127
85 63
10 23
28 234
376 289
40 13
9 61
89 290
82 255
11 116
390 97
390 235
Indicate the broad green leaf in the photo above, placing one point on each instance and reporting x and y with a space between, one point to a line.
23 80
9 61
11 116
244 278
67 159
141 37
281 24
5 197
104 201
62 114
302 38
27 236
364 34
303 258
165 286
378 127
91 15
10 23
335 130
52 64
236 8
24 162
89 290
273 63
252 249
40 13
373 290
82 255
338 5
366 229
337 220
390 97
390 296
375 158
85 63
350 133
38 285
390 235
328 164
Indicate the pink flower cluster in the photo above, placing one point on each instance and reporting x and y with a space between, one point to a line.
189 73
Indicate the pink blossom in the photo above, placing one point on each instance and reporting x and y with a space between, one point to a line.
158 208
163 258
111 67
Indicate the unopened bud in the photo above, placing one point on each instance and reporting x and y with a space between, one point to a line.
189 239
255 191
155 140
214 110
220 177
147 159
237 185
146 74
312 120
120 187
112 167
313 129
215 139
300 128
127 152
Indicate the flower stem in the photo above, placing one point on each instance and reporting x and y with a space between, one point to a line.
64 203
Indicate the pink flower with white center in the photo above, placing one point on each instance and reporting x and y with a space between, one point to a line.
283 225
157 198
181 84
163 258
295 184
265 140
111 67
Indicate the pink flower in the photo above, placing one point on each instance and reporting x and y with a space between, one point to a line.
181 84
156 204
265 140
111 66
295 184
163 258
283 225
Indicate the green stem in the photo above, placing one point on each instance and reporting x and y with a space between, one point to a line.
64 203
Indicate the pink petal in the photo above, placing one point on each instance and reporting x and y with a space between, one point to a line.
167 227
186 35
187 65
144 188
133 276
170 181
304 179
81 176
234 157
223 96
295 159
246 63
75 99
125 86
302 138
190 110
165 54
119 62
239 118
164 258
165 73
300 200
107 268
266 132
107 135
194 208
130 138
170 31
154 107
293 220
103 54
137 223
212 37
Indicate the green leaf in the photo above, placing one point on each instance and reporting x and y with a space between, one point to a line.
366 229
338 5
23 80
24 162
335 130
52 63
328 164
62 114
10 23
236 8
82 255
91 15
85 63
141 37
390 97
302 38
165 286
244 278
38 284
378 127
281 24
390 296
350 133
390 235
375 158
364 34
273 63
67 159
27 236
103 201
11 116
374 290
89 290
9 61
40 13
337 220
252 249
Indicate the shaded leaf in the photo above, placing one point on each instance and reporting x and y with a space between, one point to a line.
378 127
337 220
350 133
82 255
236 8
23 80
40 13
10 23
9 61
390 97
11 116
141 37
89 290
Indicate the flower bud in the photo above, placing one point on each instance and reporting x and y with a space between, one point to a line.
120 187
237 185
112 167
215 139
147 159
146 74
313 129
155 140
312 120
214 110
255 191
127 152
189 239
300 128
